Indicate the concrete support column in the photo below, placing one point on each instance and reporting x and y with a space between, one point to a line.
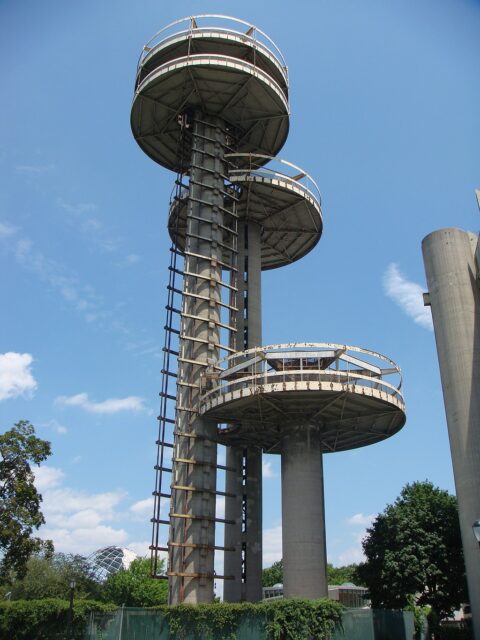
449 256
303 518
192 529
245 536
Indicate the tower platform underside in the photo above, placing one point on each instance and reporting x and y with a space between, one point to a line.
251 103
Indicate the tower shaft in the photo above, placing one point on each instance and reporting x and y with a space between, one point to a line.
449 256
192 534
303 517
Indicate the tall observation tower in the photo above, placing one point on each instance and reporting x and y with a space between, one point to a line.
211 105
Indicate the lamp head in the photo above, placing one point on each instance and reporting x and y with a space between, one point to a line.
476 530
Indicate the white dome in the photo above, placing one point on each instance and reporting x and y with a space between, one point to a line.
107 561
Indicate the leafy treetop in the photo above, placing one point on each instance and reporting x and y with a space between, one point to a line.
134 587
20 501
413 550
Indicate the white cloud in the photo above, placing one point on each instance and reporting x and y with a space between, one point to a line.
267 470
109 406
142 549
84 540
272 545
143 507
408 296
360 519
48 477
16 378
59 502
55 426
7 230
352 555
76 520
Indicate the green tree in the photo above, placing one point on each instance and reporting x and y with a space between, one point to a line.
20 502
340 575
134 587
273 575
335 575
414 550
49 577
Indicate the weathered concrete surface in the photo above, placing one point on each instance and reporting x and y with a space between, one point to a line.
303 518
449 256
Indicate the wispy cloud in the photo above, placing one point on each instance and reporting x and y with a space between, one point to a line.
16 377
268 470
7 230
82 297
109 406
408 296
54 425
362 520
35 168
80 214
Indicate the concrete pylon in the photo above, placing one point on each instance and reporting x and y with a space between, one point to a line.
454 296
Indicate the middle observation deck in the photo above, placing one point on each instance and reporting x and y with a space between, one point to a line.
267 393
283 199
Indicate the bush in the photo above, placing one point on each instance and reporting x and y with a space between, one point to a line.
291 619
46 619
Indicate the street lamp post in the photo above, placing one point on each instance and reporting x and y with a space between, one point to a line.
73 584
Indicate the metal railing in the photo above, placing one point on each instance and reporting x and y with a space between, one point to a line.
318 363
276 170
185 27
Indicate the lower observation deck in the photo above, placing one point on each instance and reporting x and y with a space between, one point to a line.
268 392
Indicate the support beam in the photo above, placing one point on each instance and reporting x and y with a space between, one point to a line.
245 563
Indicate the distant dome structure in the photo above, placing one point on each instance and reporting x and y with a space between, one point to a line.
109 560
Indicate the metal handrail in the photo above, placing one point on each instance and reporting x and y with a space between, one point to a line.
173 64
256 380
250 36
249 368
255 168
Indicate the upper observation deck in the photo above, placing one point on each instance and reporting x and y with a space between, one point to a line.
218 66
281 197
268 392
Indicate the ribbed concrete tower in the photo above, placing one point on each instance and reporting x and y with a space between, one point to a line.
211 104
454 296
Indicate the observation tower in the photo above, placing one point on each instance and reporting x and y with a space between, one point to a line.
211 104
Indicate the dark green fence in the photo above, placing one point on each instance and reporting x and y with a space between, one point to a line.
141 624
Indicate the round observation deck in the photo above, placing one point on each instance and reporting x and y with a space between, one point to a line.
282 198
225 68
268 392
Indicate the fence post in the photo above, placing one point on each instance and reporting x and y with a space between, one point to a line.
121 624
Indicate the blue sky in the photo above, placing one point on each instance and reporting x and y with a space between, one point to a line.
384 102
